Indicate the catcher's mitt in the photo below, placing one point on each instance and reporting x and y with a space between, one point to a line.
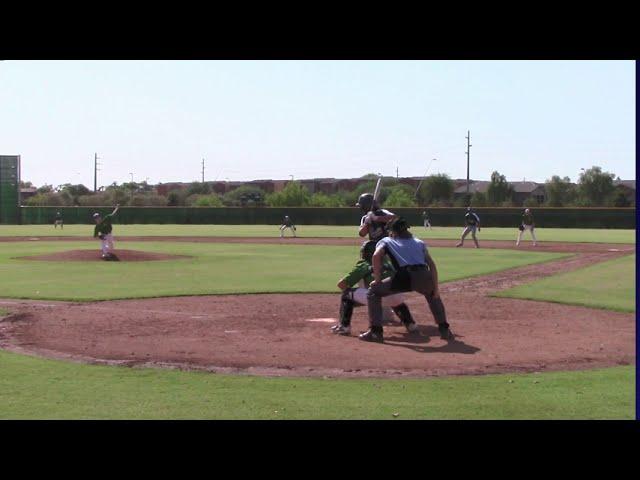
521 228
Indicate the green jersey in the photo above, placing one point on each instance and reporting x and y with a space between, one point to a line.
104 226
364 271
527 219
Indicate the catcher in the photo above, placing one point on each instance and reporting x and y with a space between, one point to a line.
526 224
357 297
103 231
415 271
287 223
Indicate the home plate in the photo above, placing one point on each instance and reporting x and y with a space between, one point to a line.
614 250
323 320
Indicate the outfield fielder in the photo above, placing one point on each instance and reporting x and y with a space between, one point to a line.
58 221
103 231
426 219
472 223
526 224
356 297
287 223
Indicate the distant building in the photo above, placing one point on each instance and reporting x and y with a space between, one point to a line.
627 188
26 193
525 190
522 190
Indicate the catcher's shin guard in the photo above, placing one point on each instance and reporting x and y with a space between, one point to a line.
346 307
403 313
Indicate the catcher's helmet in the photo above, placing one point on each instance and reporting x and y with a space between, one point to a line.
365 202
399 225
367 249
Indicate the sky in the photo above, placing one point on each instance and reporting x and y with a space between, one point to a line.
249 120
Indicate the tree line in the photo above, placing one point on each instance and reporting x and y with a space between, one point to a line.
595 188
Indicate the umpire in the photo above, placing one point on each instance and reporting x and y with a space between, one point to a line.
415 271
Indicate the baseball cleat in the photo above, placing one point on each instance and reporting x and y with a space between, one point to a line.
371 336
343 330
411 327
458 244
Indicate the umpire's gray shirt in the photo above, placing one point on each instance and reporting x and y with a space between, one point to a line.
405 251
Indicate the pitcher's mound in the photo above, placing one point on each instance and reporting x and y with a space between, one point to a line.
96 256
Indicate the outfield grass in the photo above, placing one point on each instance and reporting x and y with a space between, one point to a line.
609 285
487 233
34 388
215 269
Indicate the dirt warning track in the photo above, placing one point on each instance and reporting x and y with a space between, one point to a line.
288 334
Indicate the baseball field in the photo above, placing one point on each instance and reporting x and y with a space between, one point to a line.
232 322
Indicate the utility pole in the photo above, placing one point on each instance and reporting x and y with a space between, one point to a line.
203 170
95 172
468 137
397 173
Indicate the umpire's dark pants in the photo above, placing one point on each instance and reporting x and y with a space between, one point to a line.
416 278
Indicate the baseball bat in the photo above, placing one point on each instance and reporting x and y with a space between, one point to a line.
376 192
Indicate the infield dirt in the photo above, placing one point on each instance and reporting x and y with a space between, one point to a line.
280 334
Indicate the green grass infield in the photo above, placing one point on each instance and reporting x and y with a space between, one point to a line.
609 285
245 268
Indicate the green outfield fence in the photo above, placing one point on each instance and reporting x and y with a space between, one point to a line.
619 218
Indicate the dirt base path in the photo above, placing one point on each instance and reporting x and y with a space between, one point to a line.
289 334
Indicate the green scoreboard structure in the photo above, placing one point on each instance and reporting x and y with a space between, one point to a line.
10 189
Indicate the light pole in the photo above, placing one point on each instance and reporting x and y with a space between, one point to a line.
423 177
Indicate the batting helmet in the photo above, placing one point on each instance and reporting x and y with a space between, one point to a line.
365 202
367 249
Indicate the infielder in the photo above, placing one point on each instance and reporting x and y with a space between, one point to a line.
103 231
472 222
287 223
58 221
415 271
357 297
526 224
426 220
